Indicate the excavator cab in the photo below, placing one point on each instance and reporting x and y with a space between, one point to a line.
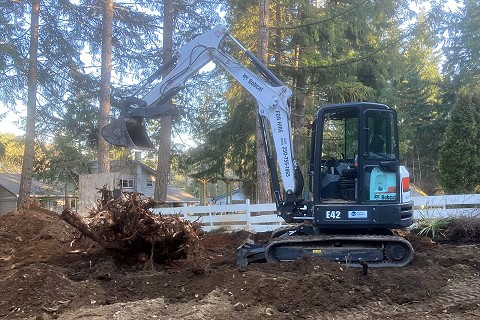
356 168
360 192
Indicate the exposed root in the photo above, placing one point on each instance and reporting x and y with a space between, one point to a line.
128 225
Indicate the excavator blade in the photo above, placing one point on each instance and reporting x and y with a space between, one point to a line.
127 132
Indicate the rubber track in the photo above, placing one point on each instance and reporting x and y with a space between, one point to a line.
351 238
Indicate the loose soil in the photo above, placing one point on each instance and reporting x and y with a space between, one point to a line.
48 271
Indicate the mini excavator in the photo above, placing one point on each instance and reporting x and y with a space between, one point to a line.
360 192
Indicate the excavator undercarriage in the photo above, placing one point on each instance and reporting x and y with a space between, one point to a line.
352 250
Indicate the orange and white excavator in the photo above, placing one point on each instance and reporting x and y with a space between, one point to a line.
359 191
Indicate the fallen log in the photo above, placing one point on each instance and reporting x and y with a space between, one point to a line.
78 222
127 224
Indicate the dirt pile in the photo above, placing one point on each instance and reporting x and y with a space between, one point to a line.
46 273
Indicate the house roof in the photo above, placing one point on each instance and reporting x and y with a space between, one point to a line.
146 168
177 195
11 182
234 192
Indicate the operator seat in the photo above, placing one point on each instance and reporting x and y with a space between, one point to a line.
377 143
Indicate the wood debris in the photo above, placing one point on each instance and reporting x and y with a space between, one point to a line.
128 225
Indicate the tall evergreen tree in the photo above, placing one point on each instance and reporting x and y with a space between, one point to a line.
32 76
264 188
165 135
462 47
106 73
462 86
418 98
460 153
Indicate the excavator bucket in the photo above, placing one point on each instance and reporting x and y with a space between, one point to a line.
127 132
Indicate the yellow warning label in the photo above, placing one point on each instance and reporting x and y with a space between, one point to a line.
316 251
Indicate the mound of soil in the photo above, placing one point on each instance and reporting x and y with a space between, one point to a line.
48 272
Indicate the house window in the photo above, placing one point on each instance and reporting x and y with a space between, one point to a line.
149 183
127 183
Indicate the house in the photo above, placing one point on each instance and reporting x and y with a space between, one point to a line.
47 196
236 196
128 176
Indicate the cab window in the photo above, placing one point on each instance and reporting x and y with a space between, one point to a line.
380 135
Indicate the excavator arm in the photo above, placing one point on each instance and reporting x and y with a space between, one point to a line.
270 93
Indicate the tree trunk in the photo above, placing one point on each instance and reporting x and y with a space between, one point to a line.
163 164
165 137
300 127
264 190
76 220
298 109
106 72
32 76
278 33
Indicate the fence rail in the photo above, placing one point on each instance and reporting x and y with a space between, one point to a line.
244 216
447 206
263 217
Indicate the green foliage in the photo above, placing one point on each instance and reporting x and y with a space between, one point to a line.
460 154
462 47
69 53
433 227
61 163
416 93
463 229
224 124
11 157
229 148
13 50
349 91
345 52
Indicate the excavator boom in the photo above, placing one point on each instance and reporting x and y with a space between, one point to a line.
270 93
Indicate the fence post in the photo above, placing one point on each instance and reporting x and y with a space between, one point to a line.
211 220
247 213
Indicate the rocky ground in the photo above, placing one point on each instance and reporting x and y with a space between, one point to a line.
46 273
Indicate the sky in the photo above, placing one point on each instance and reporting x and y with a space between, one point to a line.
8 124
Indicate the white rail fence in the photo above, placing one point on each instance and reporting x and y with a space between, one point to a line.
244 216
262 217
